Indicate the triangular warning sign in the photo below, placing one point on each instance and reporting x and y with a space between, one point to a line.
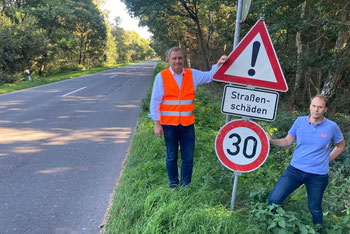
254 62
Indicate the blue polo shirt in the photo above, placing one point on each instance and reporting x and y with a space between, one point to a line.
314 142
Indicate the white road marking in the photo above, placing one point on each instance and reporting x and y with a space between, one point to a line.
112 76
73 91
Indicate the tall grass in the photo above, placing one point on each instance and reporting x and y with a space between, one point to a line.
143 202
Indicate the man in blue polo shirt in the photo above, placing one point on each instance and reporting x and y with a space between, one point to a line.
314 135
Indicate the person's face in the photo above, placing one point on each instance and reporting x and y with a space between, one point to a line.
176 61
317 108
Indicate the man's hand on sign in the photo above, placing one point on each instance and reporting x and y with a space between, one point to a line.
222 60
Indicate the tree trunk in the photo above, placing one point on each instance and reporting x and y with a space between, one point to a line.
318 77
299 71
194 16
202 44
336 73
188 57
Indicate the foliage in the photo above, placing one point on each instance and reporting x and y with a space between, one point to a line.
195 27
21 45
49 36
76 28
311 39
143 203
110 52
130 46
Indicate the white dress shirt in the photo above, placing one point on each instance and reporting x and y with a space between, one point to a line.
199 77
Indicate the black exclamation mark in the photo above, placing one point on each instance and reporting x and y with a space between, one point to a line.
256 47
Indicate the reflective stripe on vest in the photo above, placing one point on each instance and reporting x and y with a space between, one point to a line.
177 106
175 113
177 102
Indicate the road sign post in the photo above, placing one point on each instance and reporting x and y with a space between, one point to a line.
242 8
241 146
237 32
263 71
234 189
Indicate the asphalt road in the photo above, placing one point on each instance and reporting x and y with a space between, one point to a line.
62 147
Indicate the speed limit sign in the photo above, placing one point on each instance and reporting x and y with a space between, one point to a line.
242 146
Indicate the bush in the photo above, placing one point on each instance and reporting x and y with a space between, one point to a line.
21 44
9 78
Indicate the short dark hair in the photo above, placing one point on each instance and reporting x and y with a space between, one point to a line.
322 97
175 48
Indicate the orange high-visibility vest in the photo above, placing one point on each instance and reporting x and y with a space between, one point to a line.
177 106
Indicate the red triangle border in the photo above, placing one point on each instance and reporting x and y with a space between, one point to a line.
280 85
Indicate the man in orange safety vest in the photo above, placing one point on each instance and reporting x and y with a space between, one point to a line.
172 109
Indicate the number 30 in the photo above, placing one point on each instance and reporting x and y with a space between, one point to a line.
245 144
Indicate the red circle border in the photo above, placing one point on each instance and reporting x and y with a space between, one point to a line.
265 146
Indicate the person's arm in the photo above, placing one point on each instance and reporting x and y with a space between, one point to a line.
156 99
283 142
202 77
338 149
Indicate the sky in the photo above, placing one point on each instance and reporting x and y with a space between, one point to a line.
117 8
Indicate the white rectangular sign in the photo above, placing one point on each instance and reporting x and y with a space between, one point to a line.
258 104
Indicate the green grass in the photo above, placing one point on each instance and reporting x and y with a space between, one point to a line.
143 203
37 81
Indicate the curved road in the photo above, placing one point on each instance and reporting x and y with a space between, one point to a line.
62 147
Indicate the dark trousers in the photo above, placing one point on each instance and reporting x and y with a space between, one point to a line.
185 137
292 179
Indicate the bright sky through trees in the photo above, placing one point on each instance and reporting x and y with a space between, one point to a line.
117 8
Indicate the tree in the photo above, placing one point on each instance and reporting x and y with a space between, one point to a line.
111 47
90 30
21 46
77 30
188 13
340 55
307 36
130 46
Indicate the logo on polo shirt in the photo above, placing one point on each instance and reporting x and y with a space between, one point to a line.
323 135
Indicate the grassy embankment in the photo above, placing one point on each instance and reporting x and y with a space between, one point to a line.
143 203
37 81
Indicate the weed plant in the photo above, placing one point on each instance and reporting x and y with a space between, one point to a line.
143 202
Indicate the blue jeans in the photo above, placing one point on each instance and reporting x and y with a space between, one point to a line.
293 178
173 136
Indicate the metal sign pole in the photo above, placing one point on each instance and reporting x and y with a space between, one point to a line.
238 23
235 182
236 36
228 117
234 190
